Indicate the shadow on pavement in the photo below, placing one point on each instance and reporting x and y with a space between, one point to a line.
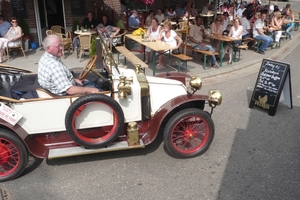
264 159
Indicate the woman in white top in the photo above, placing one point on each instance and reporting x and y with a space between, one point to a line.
276 23
169 36
217 29
235 32
12 38
152 32
225 20
172 14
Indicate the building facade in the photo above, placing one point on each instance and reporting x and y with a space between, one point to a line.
40 15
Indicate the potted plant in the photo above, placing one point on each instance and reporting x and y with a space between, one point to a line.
93 47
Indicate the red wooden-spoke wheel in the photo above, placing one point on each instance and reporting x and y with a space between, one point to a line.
189 133
95 137
13 156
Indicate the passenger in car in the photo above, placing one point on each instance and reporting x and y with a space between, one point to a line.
54 75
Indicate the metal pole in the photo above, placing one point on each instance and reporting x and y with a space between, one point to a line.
99 61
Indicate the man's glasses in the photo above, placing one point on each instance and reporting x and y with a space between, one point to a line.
13 21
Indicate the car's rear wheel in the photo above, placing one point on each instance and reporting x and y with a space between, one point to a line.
96 137
188 133
13 156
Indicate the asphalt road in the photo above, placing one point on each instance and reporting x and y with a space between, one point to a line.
253 156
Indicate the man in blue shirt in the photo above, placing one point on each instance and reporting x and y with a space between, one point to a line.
134 20
4 26
179 11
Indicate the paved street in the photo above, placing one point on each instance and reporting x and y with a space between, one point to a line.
253 155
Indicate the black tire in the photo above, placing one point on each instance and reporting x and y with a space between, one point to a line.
13 156
104 135
188 133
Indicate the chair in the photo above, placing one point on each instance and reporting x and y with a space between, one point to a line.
85 44
119 37
65 37
20 46
182 25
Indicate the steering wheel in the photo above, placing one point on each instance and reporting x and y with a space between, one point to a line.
88 67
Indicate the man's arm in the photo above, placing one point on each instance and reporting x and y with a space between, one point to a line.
73 90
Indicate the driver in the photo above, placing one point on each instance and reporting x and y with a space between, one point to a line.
54 75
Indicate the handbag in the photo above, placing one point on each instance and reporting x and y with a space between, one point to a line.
138 32
175 51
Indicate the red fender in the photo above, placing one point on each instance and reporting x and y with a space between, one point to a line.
173 105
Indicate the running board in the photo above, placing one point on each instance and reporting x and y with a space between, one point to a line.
79 150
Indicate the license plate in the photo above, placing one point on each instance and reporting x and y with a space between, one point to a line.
9 115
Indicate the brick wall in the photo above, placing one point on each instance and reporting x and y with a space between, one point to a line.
112 8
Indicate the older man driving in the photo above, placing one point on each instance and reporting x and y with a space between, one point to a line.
54 75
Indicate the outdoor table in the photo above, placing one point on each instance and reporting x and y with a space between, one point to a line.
222 39
155 45
206 18
90 32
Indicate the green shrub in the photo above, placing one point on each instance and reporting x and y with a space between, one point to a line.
93 47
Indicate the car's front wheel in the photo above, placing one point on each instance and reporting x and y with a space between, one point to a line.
188 133
13 156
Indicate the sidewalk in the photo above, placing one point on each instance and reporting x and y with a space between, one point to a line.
249 62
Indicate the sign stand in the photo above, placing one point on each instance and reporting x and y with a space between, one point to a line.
273 85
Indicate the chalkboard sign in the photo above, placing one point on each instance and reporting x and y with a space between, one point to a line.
272 78
19 8
77 7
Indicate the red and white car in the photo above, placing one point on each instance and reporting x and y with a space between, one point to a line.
130 113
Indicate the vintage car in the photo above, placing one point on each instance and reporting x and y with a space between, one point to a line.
131 111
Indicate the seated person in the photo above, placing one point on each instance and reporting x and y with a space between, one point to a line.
235 32
172 14
258 33
12 38
105 21
194 11
226 20
196 36
289 22
217 29
246 26
122 22
152 32
185 16
54 76
108 33
134 21
90 22
4 26
159 16
170 37
185 20
149 18
179 11
206 8
276 24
